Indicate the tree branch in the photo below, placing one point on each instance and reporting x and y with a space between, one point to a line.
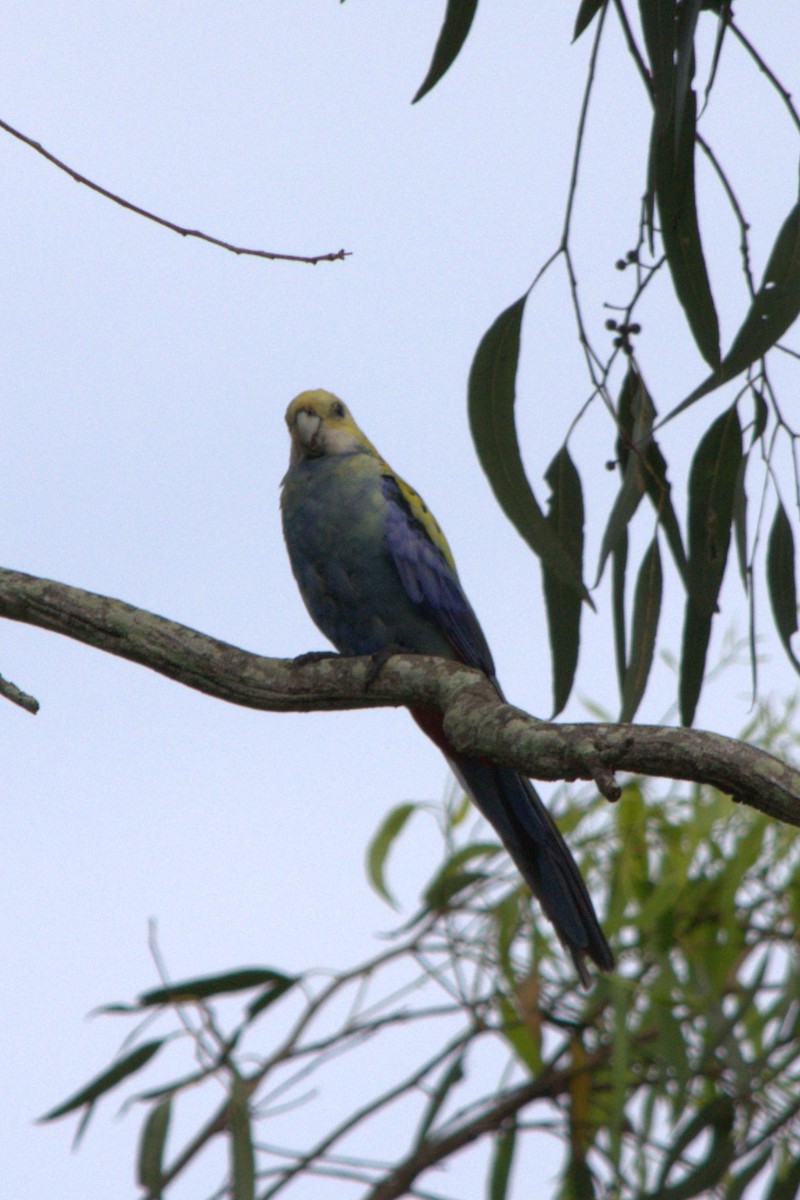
332 256
550 1084
475 720
11 692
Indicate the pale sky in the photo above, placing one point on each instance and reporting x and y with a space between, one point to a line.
145 379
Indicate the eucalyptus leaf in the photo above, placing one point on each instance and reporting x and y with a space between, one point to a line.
150 1162
773 310
381 844
619 563
781 580
491 399
712 487
502 1158
458 19
107 1080
563 605
646 611
775 305
205 986
586 14
673 176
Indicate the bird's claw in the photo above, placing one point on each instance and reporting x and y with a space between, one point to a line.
312 656
378 661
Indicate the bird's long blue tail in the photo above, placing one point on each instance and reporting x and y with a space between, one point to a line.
511 805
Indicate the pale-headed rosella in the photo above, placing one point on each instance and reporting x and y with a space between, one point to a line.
377 576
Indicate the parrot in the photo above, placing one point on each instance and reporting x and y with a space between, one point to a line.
378 577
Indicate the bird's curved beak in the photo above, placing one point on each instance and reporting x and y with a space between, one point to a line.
307 426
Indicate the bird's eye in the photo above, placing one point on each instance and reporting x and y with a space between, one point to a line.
337 409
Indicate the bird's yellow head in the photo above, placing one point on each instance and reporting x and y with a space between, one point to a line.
319 424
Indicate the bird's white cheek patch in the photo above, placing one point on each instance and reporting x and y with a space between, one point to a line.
307 426
341 441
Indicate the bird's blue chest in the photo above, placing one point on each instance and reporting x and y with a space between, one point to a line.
334 525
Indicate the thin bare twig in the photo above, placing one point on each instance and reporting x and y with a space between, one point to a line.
548 1084
633 48
785 95
593 361
218 1122
409 1083
733 200
312 259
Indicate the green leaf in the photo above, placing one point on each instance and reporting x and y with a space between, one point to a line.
619 562
711 489
712 484
459 812
716 1116
660 35
669 38
563 604
445 887
450 1079
507 919
740 521
696 636
458 18
622 512
526 1045
659 492
781 580
773 310
107 1080
586 14
719 7
671 1048
620 1046
635 414
659 29
270 995
491 397
451 879
500 1170
688 13
646 611
150 1162
775 305
379 848
673 178
630 402
243 1167
189 990
761 414
467 854
578 1182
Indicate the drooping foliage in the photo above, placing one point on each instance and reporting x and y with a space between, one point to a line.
728 459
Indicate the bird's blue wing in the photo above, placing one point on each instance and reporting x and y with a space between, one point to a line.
428 577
